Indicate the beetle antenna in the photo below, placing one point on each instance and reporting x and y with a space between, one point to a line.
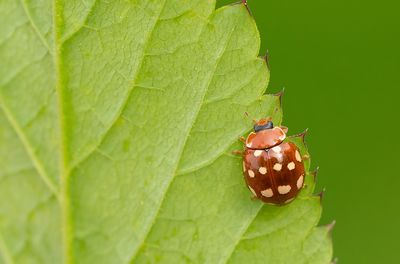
252 118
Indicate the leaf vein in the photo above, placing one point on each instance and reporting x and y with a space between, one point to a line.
5 251
241 237
76 30
29 149
126 99
34 26
245 228
179 157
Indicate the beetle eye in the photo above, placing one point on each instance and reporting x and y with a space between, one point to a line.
268 125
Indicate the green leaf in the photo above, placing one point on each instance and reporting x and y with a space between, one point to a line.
117 126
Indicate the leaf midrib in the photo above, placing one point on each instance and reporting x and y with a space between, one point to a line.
63 157
62 195
65 168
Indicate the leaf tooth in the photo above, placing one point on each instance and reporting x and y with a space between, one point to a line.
314 173
280 96
330 227
280 93
301 135
321 195
244 2
266 59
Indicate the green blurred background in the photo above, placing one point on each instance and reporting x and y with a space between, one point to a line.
339 62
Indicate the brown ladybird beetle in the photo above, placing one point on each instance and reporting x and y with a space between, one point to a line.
273 169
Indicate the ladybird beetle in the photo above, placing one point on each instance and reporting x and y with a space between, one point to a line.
273 169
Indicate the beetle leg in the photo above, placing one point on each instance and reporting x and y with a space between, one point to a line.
237 152
242 139
253 198
306 157
269 118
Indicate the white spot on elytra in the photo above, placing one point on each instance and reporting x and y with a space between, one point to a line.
277 149
249 144
283 136
284 189
300 182
291 166
277 166
298 157
251 173
257 153
251 189
262 170
267 193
